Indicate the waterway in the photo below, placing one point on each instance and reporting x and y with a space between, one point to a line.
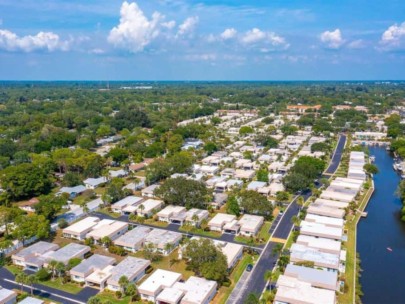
383 274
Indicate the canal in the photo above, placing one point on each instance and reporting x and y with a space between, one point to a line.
383 274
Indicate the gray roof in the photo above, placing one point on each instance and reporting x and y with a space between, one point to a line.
128 267
69 251
312 275
134 236
37 248
31 300
93 262
70 190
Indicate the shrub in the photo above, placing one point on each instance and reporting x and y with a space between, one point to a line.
43 274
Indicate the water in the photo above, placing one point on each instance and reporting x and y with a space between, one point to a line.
383 274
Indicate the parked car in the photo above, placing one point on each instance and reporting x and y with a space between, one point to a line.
249 267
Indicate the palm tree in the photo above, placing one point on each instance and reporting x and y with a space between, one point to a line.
132 292
31 280
268 275
106 241
195 219
21 278
169 247
60 268
52 266
123 282
141 208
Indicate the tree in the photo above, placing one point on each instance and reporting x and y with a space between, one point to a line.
296 182
29 226
183 192
52 268
207 260
71 179
253 202
266 140
123 282
25 181
31 280
94 300
262 175
60 269
106 241
42 274
50 205
245 130
118 154
282 197
252 298
320 146
113 191
232 206
21 278
210 148
129 118
174 143
131 292
72 263
370 168
288 130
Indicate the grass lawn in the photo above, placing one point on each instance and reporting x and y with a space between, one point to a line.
112 214
13 269
58 284
108 296
224 292
152 222
165 263
199 231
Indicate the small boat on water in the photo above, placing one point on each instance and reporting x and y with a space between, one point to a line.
389 249
372 158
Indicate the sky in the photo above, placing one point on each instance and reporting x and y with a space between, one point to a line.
202 40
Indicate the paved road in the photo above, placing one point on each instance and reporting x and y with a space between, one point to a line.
7 280
334 164
255 282
226 237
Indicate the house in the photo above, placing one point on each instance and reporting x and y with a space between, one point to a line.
93 183
195 216
324 220
30 300
320 230
30 205
319 243
303 108
72 191
117 173
170 214
127 205
133 240
218 222
294 291
107 228
80 229
141 165
31 257
136 185
209 170
233 252
163 241
219 200
149 207
300 253
66 253
98 278
250 224
150 191
7 296
154 285
131 267
193 291
88 266
256 185
316 277
244 174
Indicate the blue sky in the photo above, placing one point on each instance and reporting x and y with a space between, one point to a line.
202 40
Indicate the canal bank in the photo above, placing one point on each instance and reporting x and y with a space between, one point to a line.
382 273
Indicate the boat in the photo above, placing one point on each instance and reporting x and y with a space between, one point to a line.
389 248
402 176
372 158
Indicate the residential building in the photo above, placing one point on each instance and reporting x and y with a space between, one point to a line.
250 224
108 228
7 296
316 277
157 281
131 267
218 222
93 183
88 266
163 241
133 240
80 229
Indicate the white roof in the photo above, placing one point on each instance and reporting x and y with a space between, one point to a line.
83 225
230 250
320 230
198 290
127 201
251 222
6 295
221 218
149 205
170 210
95 181
325 220
107 229
159 279
322 259
322 244
31 300
292 290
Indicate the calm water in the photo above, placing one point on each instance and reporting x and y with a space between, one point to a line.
383 276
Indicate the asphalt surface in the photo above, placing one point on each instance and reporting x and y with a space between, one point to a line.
7 280
334 164
255 283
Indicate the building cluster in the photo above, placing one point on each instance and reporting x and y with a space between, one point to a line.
319 242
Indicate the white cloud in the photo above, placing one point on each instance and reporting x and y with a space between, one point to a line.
97 51
229 33
356 44
332 39
45 41
135 31
188 26
255 36
393 36
169 25
201 57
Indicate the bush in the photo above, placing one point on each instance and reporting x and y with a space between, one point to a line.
226 283
43 274
116 250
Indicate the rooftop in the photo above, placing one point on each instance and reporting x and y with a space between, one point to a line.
129 267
